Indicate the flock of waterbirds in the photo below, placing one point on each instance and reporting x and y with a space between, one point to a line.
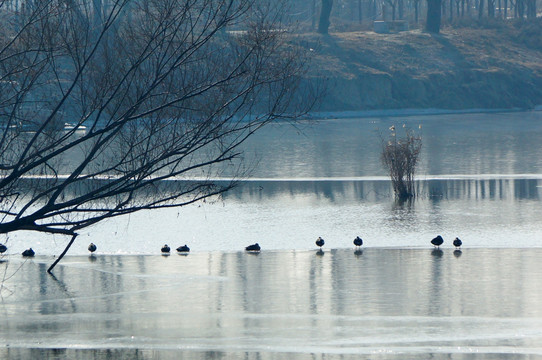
181 249
358 242
320 242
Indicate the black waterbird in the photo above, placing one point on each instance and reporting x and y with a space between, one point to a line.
358 241
92 247
183 249
458 242
28 252
253 247
320 242
437 241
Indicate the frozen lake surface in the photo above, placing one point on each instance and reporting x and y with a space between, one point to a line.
480 179
378 304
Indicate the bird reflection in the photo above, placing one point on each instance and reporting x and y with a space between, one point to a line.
358 252
458 253
320 252
437 252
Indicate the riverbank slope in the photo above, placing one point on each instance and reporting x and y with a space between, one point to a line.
496 66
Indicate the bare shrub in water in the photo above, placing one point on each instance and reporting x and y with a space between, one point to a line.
400 156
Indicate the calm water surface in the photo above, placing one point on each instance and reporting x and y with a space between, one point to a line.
377 304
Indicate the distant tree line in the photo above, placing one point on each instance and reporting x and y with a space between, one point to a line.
351 15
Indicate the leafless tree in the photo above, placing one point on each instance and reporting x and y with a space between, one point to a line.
393 4
433 19
325 14
158 94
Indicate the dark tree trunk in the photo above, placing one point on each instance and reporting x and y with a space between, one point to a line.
491 8
531 9
313 14
401 10
360 12
480 9
458 12
432 24
416 10
520 8
325 13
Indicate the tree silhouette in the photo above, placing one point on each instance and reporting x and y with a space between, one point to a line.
325 13
158 94
432 24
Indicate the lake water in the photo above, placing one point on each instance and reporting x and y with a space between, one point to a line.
480 178
377 304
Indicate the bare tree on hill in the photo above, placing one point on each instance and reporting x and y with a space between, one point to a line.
434 13
153 90
325 14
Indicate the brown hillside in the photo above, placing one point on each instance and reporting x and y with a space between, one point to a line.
461 68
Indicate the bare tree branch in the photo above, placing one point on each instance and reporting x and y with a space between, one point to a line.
159 94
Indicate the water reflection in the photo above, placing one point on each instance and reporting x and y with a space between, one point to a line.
372 190
292 304
517 189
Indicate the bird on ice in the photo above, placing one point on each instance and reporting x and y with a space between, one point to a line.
183 249
253 247
458 242
320 242
92 247
28 252
358 241
437 241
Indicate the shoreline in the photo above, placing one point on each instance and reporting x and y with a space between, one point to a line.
443 249
385 178
329 115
